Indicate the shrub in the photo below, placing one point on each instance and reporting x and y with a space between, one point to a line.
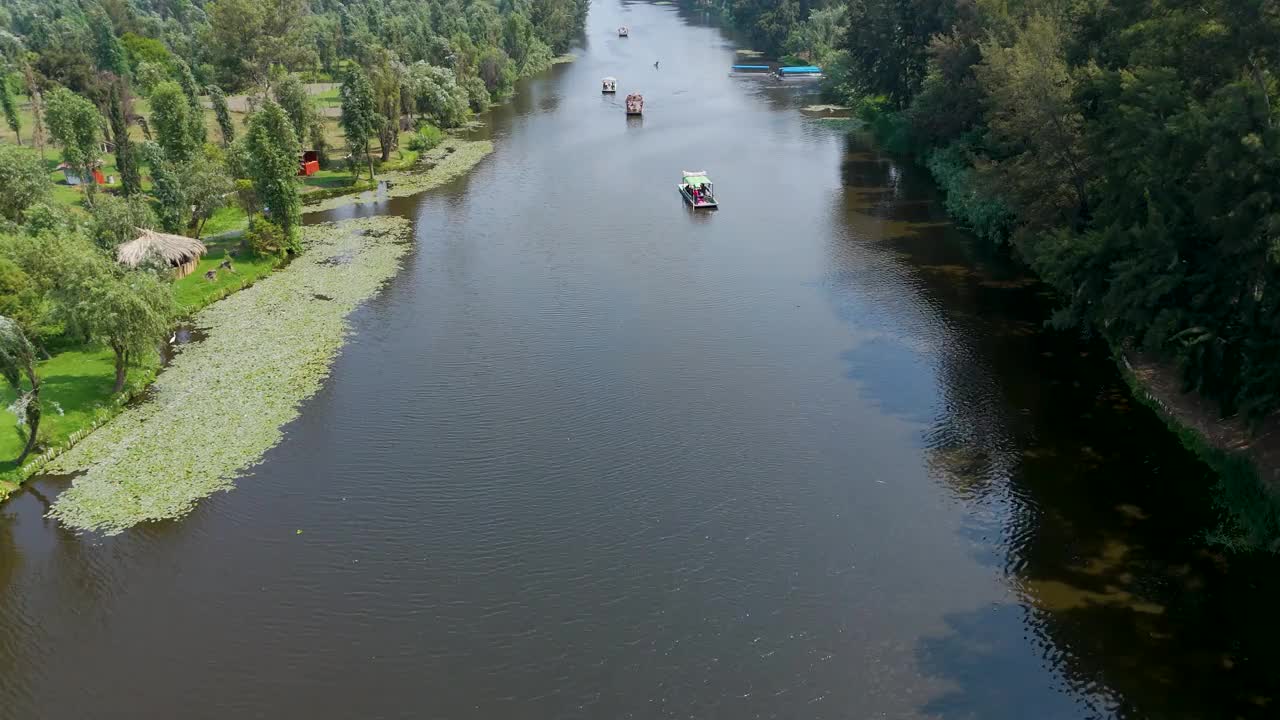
427 137
267 239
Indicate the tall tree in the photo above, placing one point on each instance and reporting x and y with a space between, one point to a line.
191 91
360 118
18 363
126 156
24 179
75 124
7 106
223 114
1031 112
171 122
296 103
273 166
108 53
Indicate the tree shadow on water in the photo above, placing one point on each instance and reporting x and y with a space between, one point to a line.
995 673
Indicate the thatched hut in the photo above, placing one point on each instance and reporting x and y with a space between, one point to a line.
178 252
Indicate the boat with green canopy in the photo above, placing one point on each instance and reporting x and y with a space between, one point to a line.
696 189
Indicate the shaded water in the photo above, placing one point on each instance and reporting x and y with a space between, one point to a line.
594 455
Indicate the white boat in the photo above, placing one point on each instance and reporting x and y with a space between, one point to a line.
609 85
696 189
635 104
623 31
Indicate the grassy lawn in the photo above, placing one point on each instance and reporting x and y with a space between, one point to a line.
194 291
75 391
228 218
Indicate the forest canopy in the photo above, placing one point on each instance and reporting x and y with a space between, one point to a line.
1127 150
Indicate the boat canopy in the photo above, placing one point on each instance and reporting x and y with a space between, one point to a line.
609 79
800 70
696 177
750 67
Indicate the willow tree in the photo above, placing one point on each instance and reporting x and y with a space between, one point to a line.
273 151
129 312
18 363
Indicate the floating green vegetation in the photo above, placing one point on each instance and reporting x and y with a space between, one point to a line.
562 59
451 159
223 401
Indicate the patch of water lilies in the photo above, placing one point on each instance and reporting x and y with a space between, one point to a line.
222 403
450 160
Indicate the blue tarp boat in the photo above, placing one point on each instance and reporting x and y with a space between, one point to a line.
748 68
800 71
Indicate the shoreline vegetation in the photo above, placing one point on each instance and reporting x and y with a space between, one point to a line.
450 160
1126 153
222 402
228 124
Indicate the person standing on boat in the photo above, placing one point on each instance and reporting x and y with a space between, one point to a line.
655 64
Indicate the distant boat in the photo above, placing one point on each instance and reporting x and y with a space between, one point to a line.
635 104
609 85
623 31
696 189
751 68
800 71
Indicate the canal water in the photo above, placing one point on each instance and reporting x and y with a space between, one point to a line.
594 455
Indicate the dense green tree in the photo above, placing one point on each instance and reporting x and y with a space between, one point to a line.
139 50
273 151
360 119
223 114
293 98
7 106
108 52
24 179
115 220
75 125
171 122
191 91
168 187
126 155
1031 114
435 94
387 78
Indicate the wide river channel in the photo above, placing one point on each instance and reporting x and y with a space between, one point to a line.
592 454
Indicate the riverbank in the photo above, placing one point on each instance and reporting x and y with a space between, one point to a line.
77 383
222 402
1245 459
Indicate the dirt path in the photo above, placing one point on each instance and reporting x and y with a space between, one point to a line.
1230 434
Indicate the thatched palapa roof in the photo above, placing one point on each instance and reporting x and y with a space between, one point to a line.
174 250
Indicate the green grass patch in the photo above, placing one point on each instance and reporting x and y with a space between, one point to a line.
75 394
226 219
194 292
